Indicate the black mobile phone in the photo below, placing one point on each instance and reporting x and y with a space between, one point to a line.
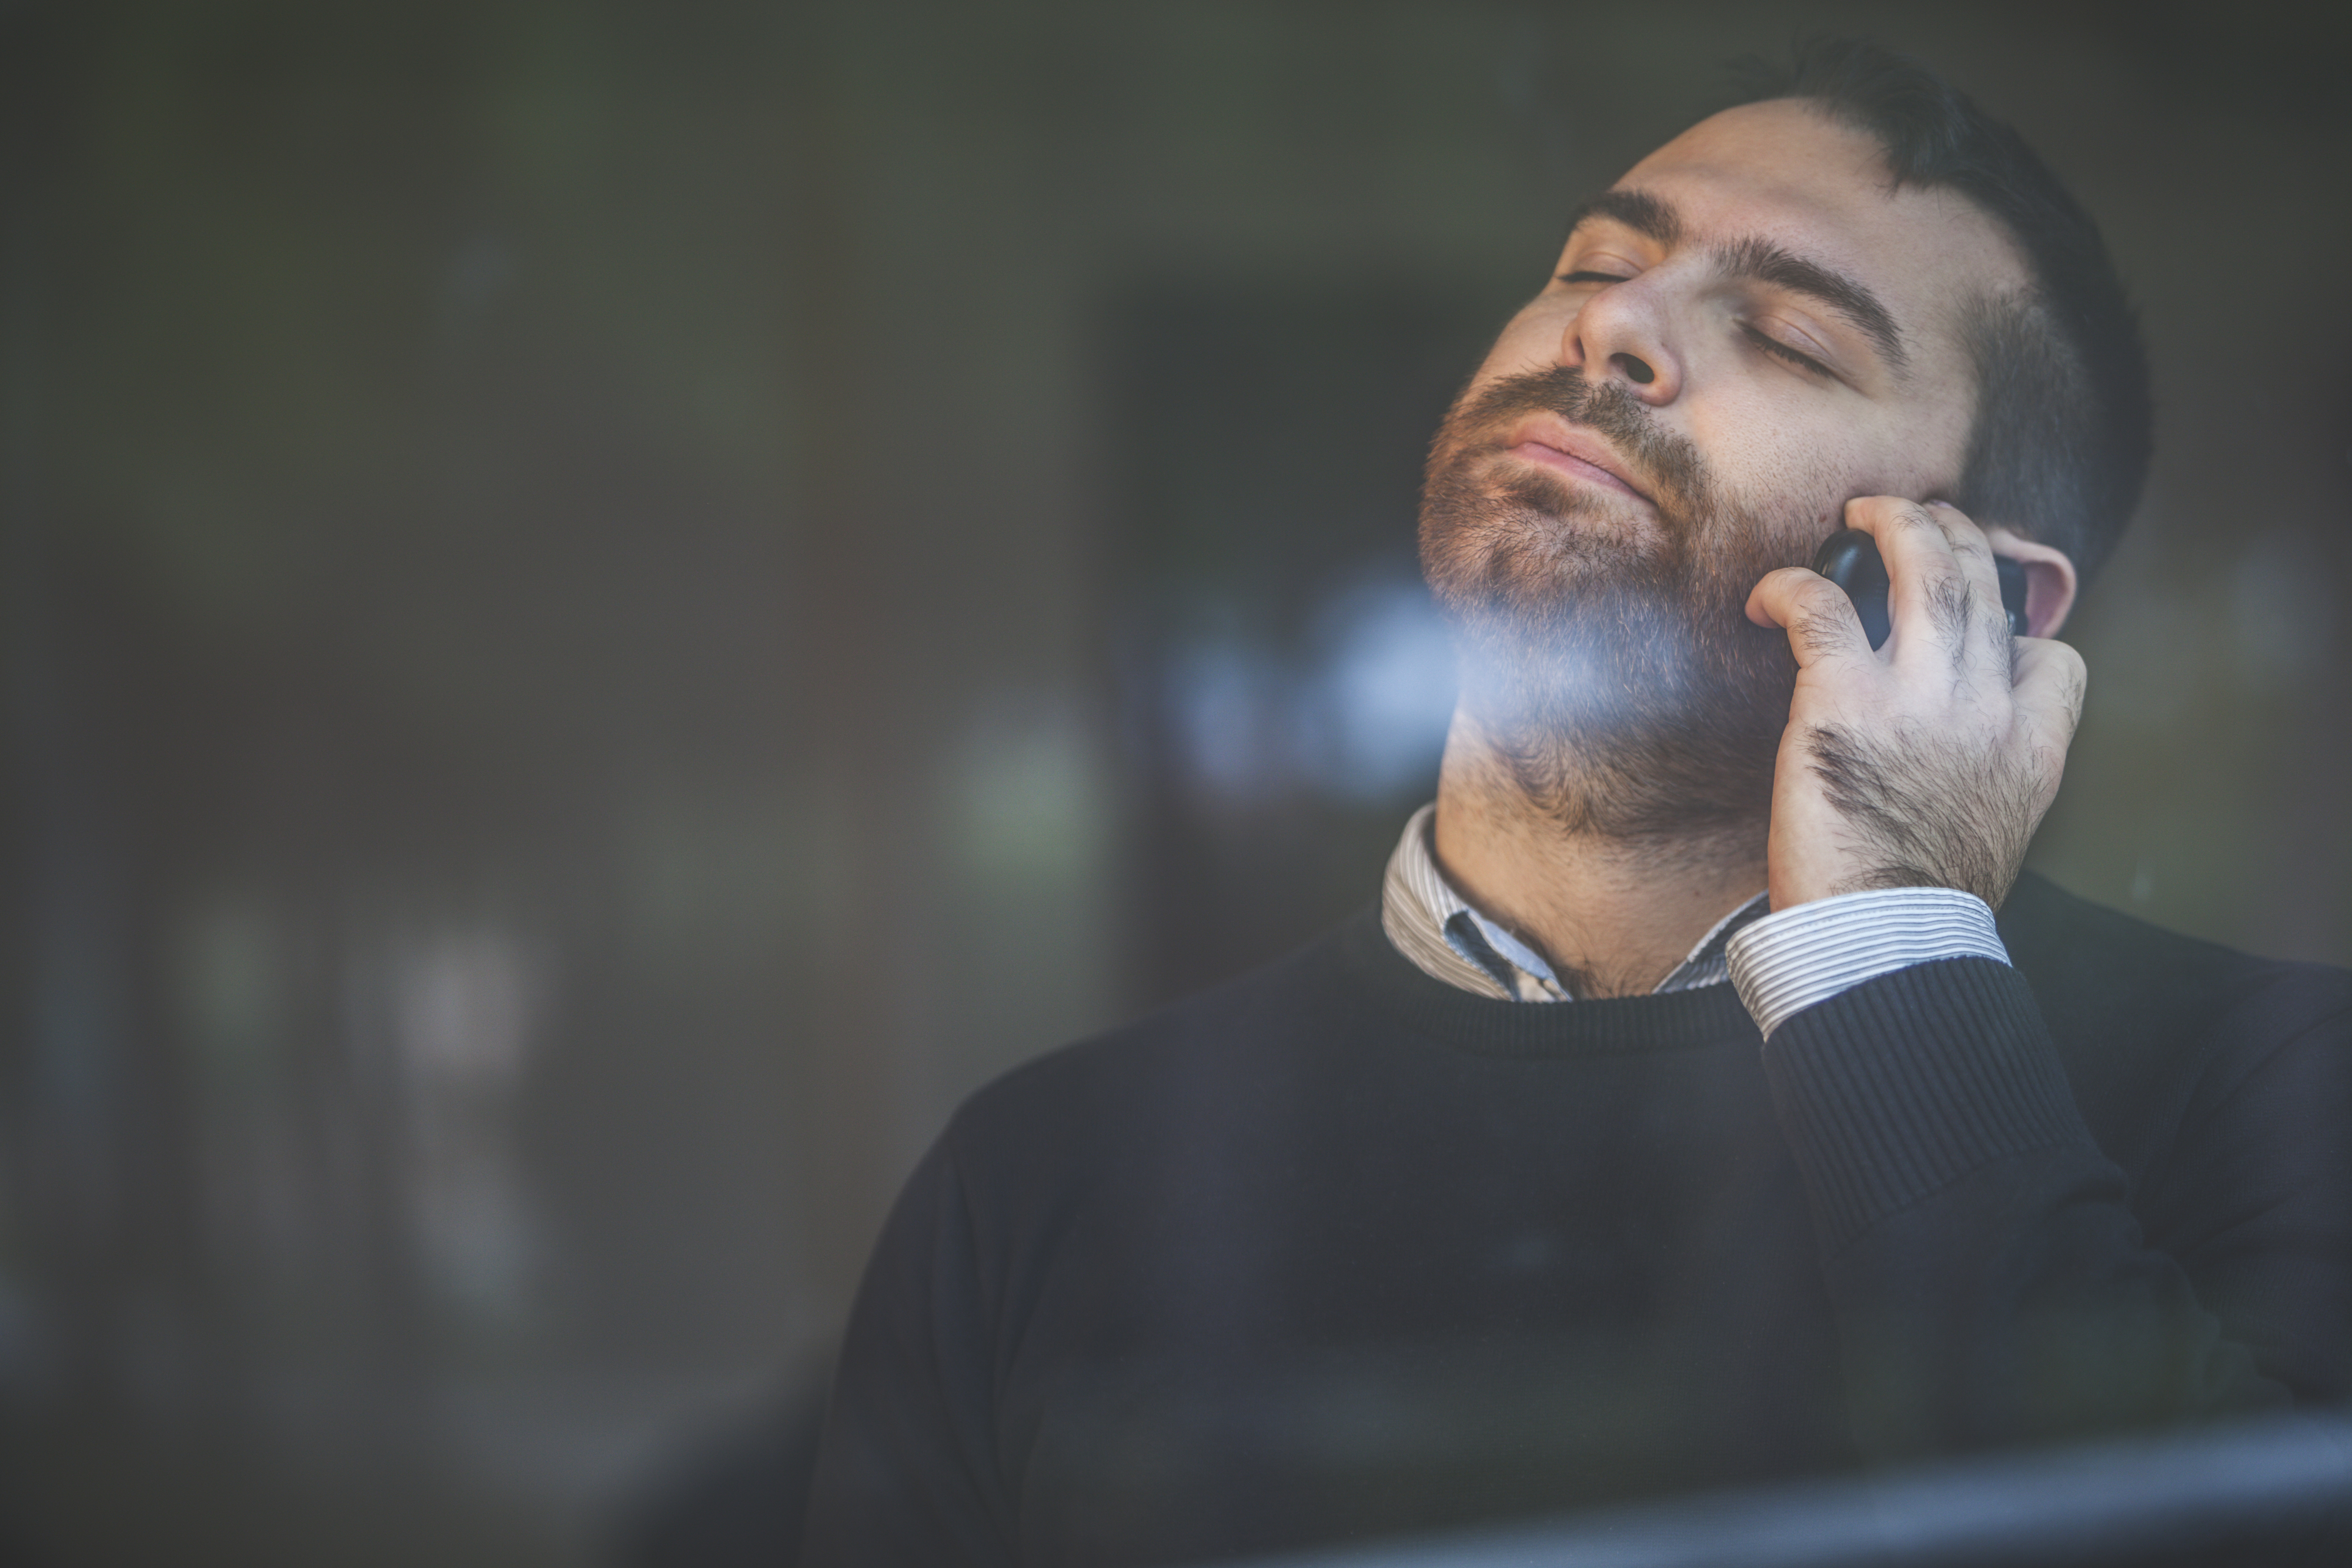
1850 559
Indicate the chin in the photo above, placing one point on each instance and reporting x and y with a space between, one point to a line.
1532 547
1608 658
1525 536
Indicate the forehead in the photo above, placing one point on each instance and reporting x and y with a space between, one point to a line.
1785 171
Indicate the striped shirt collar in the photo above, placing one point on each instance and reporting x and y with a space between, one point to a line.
1446 939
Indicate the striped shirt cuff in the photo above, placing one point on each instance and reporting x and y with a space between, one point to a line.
1793 958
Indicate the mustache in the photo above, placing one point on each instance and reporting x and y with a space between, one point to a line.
1668 465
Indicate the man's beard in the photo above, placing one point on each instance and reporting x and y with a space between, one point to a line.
1618 680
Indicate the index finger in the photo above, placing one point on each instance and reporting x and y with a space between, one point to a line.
1821 623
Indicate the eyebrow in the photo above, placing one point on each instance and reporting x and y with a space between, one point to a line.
1757 259
1643 212
1765 262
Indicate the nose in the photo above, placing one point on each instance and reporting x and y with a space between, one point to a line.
1620 333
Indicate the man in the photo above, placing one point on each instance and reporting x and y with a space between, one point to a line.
1683 1118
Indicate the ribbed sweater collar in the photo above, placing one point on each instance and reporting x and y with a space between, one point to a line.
1389 984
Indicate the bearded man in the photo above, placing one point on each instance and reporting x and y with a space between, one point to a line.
1683 1118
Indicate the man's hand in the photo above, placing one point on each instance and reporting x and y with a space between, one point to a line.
1929 762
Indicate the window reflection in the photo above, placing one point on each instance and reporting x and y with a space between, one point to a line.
606 613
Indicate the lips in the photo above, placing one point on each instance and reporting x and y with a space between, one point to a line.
1549 440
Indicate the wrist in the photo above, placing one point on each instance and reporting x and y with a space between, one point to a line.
1796 958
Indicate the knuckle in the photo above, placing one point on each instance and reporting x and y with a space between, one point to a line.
1815 593
1821 635
1822 614
1889 512
1948 601
1909 516
1956 523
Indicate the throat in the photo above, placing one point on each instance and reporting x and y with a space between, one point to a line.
1611 916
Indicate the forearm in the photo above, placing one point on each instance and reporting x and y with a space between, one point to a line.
1990 1281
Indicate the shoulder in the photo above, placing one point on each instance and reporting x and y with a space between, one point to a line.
2096 969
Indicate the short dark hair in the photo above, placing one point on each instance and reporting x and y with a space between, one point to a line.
2060 447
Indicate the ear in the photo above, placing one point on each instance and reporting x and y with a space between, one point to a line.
2049 580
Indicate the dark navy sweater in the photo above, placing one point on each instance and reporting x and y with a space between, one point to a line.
1335 1250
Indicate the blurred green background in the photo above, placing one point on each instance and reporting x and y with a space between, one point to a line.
609 606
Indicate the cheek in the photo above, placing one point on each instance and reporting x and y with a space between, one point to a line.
1811 460
1765 456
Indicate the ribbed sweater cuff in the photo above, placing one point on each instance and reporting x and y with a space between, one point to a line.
1795 958
1906 1082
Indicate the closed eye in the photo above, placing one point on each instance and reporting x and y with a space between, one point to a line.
1602 278
1780 350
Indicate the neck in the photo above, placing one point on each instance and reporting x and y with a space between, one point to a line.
1613 916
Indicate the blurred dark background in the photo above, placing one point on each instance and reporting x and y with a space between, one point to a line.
609 606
